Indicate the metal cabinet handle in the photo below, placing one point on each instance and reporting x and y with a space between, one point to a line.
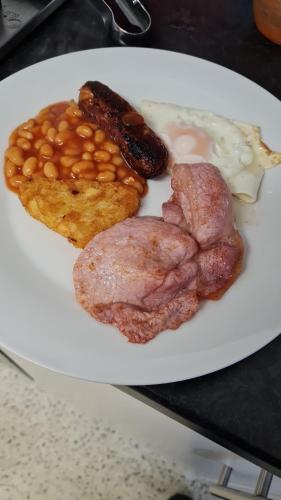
222 490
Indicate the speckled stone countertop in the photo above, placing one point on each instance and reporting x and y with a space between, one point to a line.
50 451
239 407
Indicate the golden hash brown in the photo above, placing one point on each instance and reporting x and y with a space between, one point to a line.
78 209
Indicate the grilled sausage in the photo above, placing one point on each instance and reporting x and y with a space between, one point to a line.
141 148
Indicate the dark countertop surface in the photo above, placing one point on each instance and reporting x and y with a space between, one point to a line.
238 407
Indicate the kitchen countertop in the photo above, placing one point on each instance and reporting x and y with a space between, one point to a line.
238 407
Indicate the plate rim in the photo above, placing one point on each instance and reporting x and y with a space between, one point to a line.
148 49
170 379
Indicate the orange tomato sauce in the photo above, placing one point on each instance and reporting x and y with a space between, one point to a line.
60 144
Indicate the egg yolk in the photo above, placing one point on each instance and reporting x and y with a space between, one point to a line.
187 144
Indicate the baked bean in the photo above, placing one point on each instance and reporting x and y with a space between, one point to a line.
56 109
121 173
69 111
13 138
23 144
29 124
25 134
40 119
48 111
38 175
87 156
82 165
99 136
36 130
117 160
74 120
65 173
106 166
89 176
45 127
77 111
84 131
89 146
68 161
101 155
63 125
43 111
129 180
62 137
10 168
46 116
50 170
39 143
60 144
138 186
51 134
15 155
17 180
73 110
29 166
85 94
111 147
106 176
46 150
72 151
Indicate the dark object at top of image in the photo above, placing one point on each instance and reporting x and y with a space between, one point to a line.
19 17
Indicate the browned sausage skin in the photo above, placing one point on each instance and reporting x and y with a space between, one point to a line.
141 148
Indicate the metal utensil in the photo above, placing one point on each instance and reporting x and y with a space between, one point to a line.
128 20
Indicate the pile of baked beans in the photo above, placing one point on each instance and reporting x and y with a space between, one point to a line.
59 144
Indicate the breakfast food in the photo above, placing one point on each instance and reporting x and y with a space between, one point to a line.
201 204
77 208
78 170
140 146
69 175
60 144
146 274
139 276
192 136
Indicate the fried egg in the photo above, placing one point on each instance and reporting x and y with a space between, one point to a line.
194 136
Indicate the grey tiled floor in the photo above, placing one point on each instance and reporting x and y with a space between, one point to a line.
49 451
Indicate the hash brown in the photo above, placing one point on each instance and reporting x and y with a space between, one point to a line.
78 209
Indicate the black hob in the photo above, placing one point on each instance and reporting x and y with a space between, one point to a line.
19 17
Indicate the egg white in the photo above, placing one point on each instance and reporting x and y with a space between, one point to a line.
237 149
230 152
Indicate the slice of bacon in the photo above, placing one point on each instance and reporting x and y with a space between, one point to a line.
201 204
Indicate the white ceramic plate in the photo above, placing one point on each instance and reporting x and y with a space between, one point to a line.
40 319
